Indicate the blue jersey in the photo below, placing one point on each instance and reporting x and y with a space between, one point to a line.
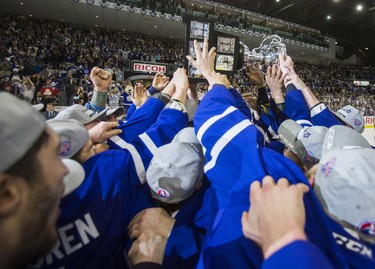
296 255
322 116
94 217
130 111
240 103
359 255
185 240
234 159
296 108
140 121
145 132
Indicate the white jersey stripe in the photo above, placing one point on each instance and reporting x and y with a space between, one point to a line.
224 140
139 167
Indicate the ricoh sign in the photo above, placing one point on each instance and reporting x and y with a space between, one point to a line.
148 67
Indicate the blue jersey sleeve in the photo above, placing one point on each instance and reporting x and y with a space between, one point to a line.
140 120
130 111
229 140
298 254
152 90
240 103
296 108
325 118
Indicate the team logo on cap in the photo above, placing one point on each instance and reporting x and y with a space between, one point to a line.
162 192
328 168
88 112
348 110
306 135
357 122
367 227
64 148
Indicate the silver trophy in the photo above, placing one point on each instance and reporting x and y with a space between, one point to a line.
266 54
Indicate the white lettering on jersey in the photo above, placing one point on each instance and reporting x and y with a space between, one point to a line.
68 243
353 245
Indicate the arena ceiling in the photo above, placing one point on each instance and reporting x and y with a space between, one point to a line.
355 30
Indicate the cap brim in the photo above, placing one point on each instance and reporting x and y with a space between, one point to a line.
288 132
98 115
75 177
118 111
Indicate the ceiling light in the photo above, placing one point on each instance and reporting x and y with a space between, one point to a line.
336 43
97 17
96 25
30 15
62 20
21 4
329 17
277 0
366 48
155 26
359 7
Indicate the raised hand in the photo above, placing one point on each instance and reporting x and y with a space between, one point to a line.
104 130
205 62
255 75
139 95
160 81
275 81
272 203
286 64
180 79
101 79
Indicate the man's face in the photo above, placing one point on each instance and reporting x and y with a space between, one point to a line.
50 107
43 198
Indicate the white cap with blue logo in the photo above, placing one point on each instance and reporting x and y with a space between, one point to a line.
345 178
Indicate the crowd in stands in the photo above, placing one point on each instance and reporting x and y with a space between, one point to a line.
37 53
230 18
332 84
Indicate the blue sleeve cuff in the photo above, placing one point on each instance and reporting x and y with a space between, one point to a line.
152 90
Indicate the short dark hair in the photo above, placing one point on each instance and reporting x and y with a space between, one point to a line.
28 166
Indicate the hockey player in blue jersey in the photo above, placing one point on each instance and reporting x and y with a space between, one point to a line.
344 183
149 110
177 182
270 203
319 113
96 213
31 177
235 159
